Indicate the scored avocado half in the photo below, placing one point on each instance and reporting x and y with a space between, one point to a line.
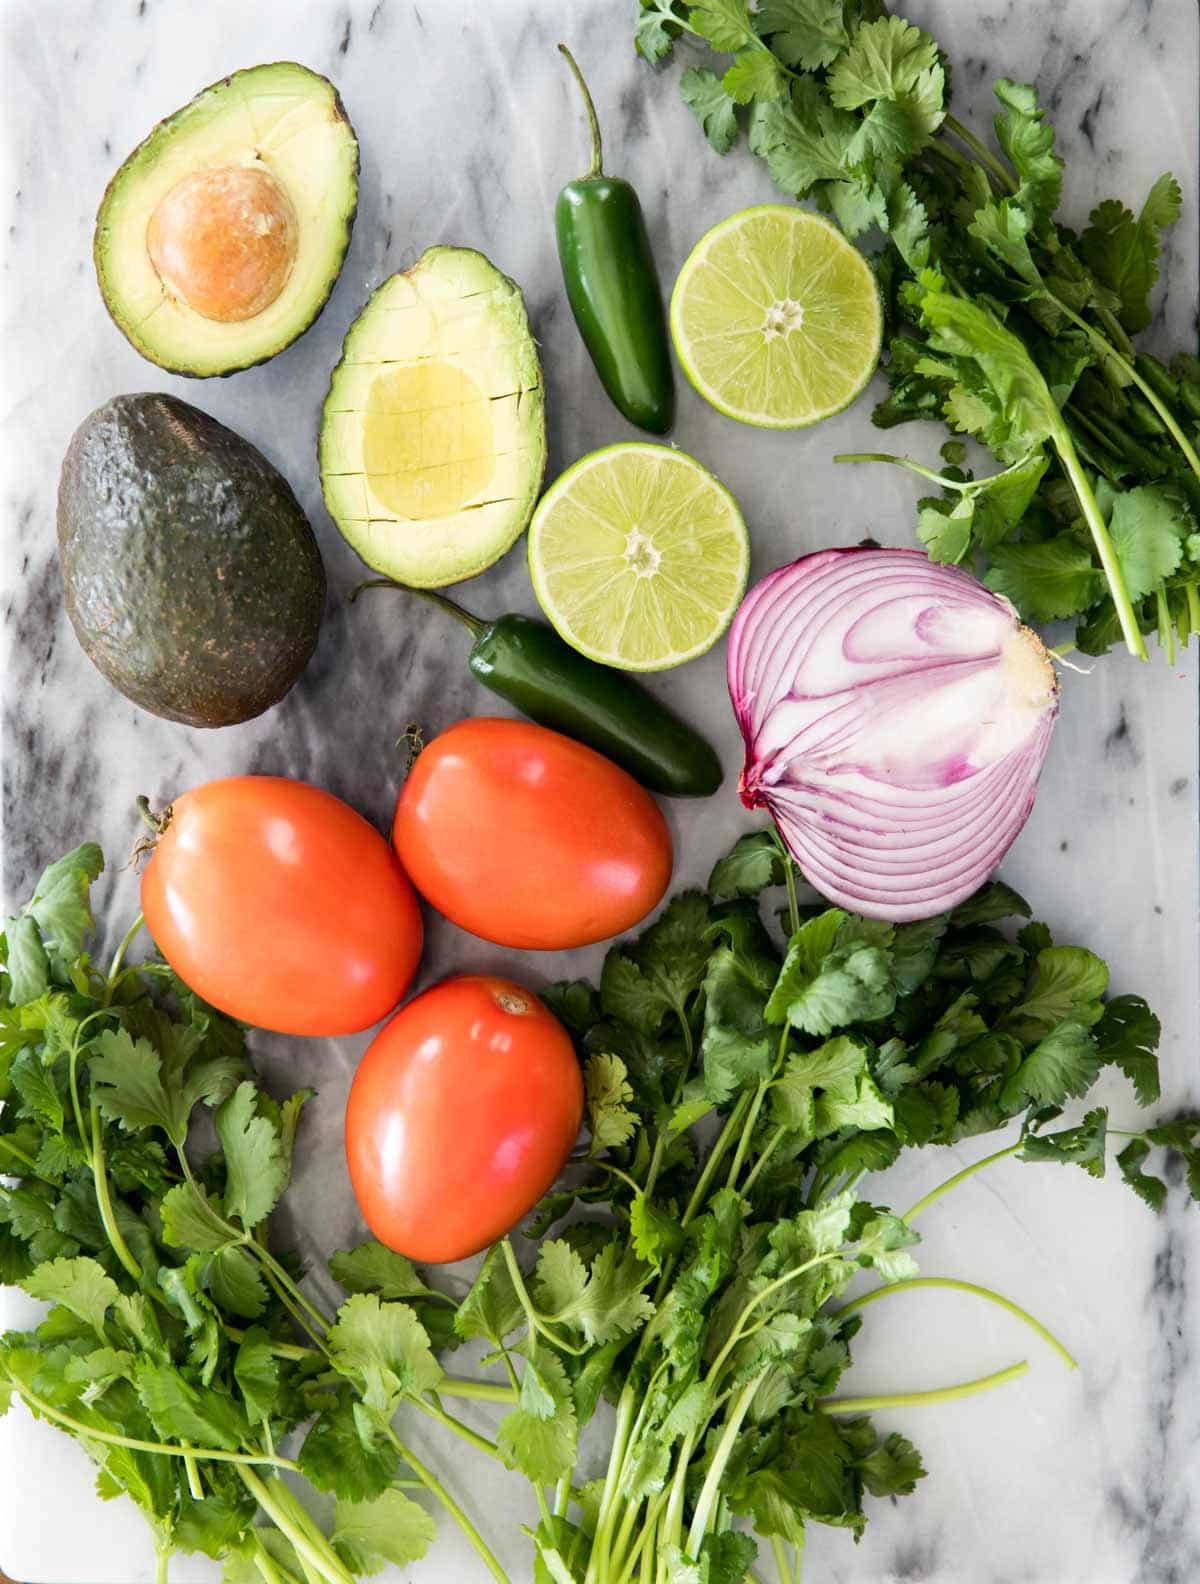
433 435
220 238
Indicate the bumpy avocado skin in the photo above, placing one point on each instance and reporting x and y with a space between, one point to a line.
191 575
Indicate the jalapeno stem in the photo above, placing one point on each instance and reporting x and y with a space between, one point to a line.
596 167
472 623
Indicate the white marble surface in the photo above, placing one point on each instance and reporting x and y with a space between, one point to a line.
468 127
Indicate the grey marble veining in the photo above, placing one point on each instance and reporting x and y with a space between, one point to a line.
468 126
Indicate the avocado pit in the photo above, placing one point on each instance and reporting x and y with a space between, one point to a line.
224 240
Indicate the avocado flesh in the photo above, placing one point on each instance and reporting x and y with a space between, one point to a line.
191 575
433 435
289 120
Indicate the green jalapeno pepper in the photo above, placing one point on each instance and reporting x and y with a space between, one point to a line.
527 663
612 286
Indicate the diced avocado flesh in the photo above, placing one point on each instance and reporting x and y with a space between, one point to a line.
283 118
433 436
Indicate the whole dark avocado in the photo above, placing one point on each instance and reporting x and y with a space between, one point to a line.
192 577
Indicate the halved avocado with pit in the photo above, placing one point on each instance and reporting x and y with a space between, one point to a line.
220 238
433 435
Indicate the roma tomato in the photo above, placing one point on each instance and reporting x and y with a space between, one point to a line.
281 906
461 1115
528 838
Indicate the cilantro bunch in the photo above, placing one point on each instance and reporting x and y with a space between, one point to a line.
691 1268
178 1349
1003 322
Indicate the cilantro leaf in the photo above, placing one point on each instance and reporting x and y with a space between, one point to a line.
492 1308
561 1279
608 1093
368 1535
191 1220
706 97
604 1305
892 1467
1150 1190
887 59
755 74
1062 1066
1127 1035
46 938
256 1371
235 1282
1079 1146
737 1041
180 1412
752 865
1067 982
804 140
1122 253
40 1098
643 983
346 1452
384 1349
724 23
373 1268
830 979
80 1285
541 1449
807 33
655 30
256 1167
1148 529
655 1234
1046 581
1028 141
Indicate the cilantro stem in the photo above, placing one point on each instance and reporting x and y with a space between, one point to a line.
163 1553
950 1283
19 1154
981 152
1166 630
536 1323
562 1495
784 1567
720 1145
608 1499
481 1391
162 1448
739 1156
1130 371
903 462
711 1488
765 1154
281 1512
960 1176
971 1388
435 1411
739 1327
639 1549
110 984
436 1489
104 1201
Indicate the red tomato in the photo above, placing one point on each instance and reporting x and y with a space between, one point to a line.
528 838
281 906
461 1115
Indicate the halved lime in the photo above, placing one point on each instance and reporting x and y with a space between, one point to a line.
776 317
639 556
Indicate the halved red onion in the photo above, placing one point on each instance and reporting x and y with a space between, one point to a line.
896 716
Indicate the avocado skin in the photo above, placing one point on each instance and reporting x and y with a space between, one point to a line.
191 574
